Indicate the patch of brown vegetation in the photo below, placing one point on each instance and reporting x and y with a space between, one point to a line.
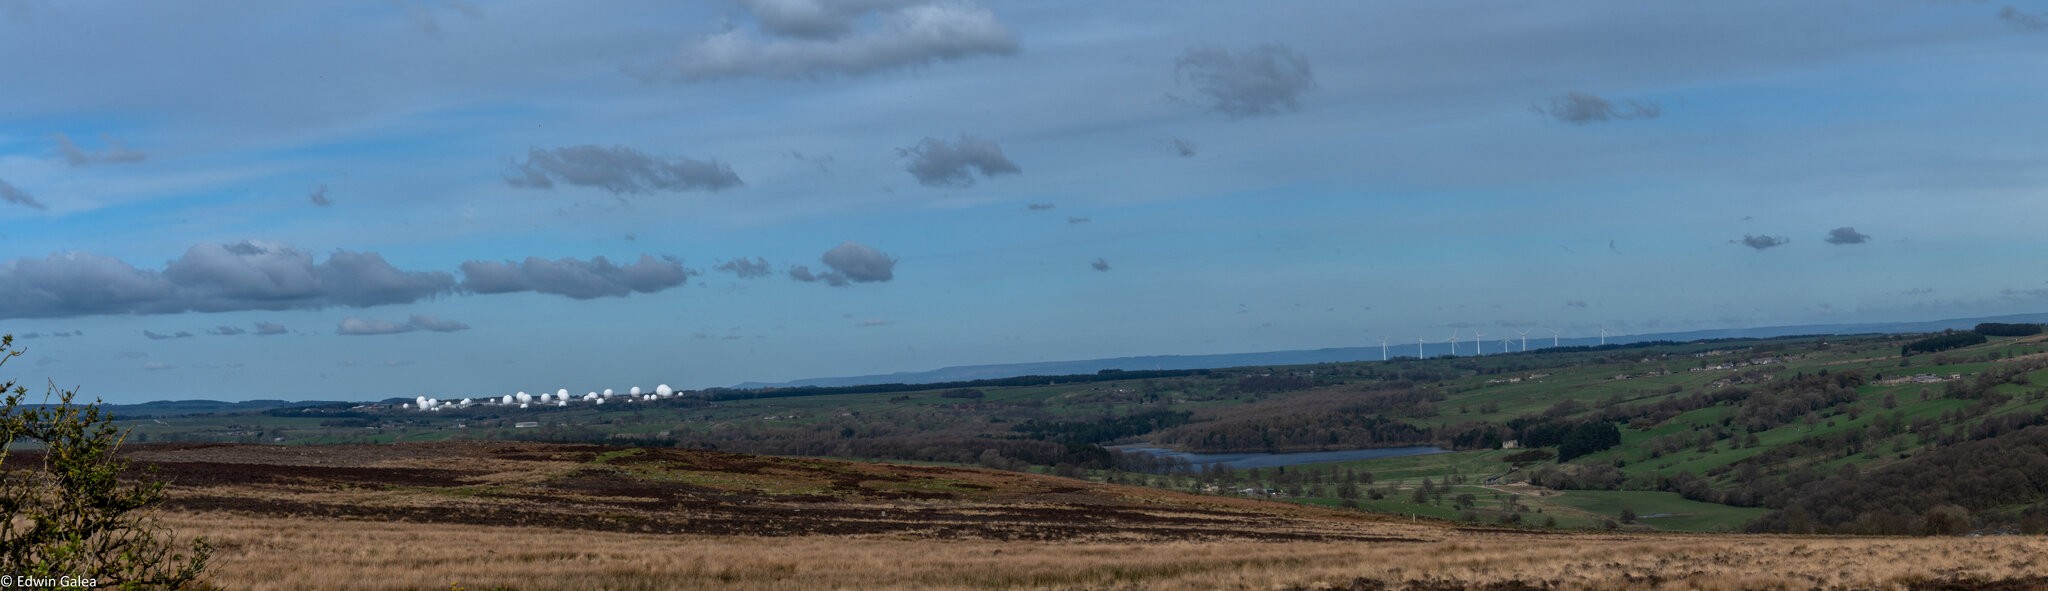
263 553
672 491
533 516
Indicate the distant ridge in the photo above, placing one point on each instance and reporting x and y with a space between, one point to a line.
1342 354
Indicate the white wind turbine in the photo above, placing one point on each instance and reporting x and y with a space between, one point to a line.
1506 344
1383 348
1603 335
1454 343
1553 338
1525 340
1478 346
1418 347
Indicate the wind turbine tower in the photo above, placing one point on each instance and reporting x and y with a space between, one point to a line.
1603 335
1454 343
1525 340
1553 338
1383 349
1418 347
1478 346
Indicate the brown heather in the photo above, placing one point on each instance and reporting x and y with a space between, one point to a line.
259 553
480 516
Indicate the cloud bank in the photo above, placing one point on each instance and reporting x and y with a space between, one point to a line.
576 279
247 275
259 275
810 39
620 170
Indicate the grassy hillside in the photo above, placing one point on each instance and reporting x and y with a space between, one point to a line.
1705 436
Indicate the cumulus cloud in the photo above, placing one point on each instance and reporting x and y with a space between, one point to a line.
319 195
1581 108
1264 80
226 331
619 169
860 262
1039 206
1761 242
157 336
850 262
803 273
14 195
2024 21
820 38
1100 265
248 275
264 329
359 327
1847 235
432 324
577 279
758 267
938 163
116 152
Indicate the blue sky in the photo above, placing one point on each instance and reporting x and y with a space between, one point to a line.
978 181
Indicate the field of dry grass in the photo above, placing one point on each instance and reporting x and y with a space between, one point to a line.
283 553
529 516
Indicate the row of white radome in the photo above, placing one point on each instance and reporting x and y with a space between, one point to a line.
559 398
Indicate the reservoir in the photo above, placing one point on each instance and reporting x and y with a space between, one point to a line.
1266 460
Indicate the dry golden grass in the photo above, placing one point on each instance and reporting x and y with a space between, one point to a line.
260 553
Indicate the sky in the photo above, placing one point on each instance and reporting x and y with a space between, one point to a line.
364 200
